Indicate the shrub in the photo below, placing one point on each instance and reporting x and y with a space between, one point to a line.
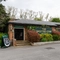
43 40
56 37
50 39
1 34
46 37
59 37
33 36
0 42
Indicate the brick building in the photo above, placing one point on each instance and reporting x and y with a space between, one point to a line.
17 29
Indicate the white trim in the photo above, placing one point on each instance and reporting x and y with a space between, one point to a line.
24 34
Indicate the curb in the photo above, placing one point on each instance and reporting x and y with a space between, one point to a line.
44 43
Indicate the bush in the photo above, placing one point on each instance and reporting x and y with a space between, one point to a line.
59 37
56 37
43 40
46 37
50 39
0 42
33 36
1 34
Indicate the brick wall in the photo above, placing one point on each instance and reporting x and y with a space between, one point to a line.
10 33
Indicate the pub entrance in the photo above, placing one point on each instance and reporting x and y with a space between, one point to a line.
19 34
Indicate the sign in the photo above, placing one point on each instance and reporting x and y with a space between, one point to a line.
18 26
44 30
6 41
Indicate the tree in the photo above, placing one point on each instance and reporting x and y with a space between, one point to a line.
55 19
2 0
4 18
37 19
41 15
29 14
40 18
47 17
12 12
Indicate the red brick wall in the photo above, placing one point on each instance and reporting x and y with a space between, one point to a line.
10 33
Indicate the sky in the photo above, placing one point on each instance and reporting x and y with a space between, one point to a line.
46 6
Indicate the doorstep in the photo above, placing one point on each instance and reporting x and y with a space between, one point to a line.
44 43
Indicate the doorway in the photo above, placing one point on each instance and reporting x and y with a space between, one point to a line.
19 34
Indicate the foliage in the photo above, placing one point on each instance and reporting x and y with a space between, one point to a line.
2 0
1 34
38 19
56 37
59 37
29 14
55 20
50 39
12 12
55 31
33 36
4 18
46 37
43 40
47 16
31 27
0 42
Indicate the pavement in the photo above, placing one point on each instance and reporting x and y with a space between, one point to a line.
43 52
45 43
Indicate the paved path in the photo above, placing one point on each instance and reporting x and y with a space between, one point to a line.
44 52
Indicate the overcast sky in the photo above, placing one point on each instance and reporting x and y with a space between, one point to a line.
46 6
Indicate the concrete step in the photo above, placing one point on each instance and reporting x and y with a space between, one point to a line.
22 43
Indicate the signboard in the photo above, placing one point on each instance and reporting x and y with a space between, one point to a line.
6 41
44 30
18 26
41 29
